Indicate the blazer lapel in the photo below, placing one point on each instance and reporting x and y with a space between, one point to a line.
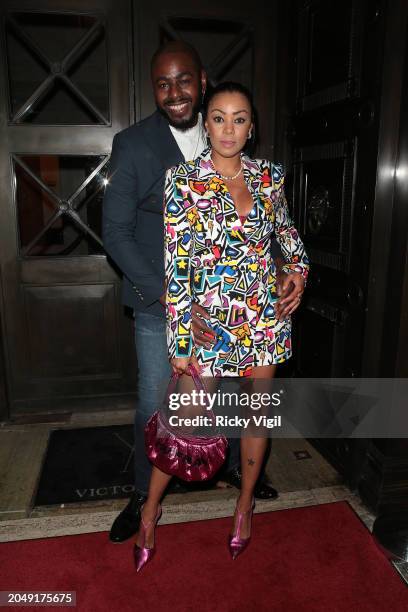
163 143
226 215
204 179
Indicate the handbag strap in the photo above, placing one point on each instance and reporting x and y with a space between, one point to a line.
198 383
200 386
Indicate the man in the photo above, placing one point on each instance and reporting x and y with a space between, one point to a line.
133 237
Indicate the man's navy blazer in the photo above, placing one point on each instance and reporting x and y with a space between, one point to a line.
133 209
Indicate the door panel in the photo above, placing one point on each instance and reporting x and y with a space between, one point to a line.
65 98
233 43
335 162
56 350
324 182
326 77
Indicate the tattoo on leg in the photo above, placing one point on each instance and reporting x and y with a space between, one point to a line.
251 461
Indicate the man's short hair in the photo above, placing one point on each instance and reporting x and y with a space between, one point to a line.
177 46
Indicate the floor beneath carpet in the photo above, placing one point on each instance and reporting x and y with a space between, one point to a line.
301 475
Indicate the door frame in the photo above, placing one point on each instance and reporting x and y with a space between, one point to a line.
4 403
380 284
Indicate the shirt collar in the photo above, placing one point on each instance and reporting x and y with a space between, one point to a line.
190 131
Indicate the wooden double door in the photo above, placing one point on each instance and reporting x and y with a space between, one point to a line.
72 74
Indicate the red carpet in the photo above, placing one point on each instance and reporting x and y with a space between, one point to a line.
319 558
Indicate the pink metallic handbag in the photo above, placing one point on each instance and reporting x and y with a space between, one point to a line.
186 456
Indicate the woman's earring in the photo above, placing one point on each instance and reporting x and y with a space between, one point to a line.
249 134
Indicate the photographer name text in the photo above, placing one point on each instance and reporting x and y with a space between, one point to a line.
225 421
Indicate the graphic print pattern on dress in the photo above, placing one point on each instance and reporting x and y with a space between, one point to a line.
225 265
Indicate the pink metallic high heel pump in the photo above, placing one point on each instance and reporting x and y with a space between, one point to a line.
143 554
236 544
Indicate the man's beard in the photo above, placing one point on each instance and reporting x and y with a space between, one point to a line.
183 124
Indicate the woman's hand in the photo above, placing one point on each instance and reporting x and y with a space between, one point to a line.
180 364
203 335
290 289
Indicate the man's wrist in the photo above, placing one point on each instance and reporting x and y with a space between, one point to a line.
279 263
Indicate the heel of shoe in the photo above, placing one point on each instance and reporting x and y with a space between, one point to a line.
142 554
236 544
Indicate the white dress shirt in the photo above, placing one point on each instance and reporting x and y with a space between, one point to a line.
191 142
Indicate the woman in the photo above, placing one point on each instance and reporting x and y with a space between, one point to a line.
221 212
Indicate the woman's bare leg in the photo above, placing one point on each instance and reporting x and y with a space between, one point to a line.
158 483
252 455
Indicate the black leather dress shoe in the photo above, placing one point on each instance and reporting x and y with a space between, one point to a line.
127 522
262 489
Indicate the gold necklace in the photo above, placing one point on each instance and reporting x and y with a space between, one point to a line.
226 178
